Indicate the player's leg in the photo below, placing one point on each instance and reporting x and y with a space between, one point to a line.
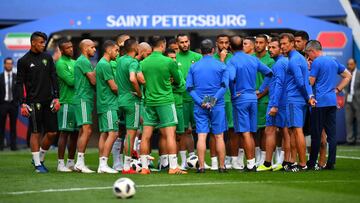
202 128
201 150
62 116
189 109
218 126
317 122
323 149
72 150
163 152
270 134
213 154
286 146
330 129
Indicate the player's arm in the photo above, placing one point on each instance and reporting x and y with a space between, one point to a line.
191 89
132 77
224 84
64 73
174 73
346 77
91 76
53 78
109 78
279 84
139 75
20 80
232 73
113 86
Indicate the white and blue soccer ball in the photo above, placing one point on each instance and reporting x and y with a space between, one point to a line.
136 165
124 188
193 162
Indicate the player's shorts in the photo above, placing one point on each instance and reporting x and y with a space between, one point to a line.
229 114
279 120
42 119
295 114
180 118
108 121
160 116
213 121
261 114
188 110
83 112
66 118
131 115
245 117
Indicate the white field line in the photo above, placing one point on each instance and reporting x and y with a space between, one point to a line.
177 185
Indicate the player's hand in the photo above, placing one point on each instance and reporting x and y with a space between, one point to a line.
223 54
273 111
55 105
312 102
25 110
206 105
340 102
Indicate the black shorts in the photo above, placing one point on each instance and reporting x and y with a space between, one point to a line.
42 119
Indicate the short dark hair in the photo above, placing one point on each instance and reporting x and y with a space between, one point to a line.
7 58
62 41
157 40
128 44
169 51
251 38
287 35
275 39
222 35
304 35
262 36
172 41
235 45
181 35
206 46
37 34
108 43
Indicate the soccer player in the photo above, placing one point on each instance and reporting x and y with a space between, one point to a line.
144 50
223 54
159 103
185 58
301 38
173 45
276 110
66 115
85 80
261 42
207 82
299 92
323 74
249 45
106 105
243 69
129 96
36 72
120 42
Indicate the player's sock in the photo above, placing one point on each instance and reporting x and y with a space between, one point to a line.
191 153
281 157
241 156
116 152
277 154
173 161
144 161
80 159
61 162
214 162
42 154
135 142
262 158
103 161
164 160
127 161
257 154
183 157
36 158
227 160
70 162
250 163
267 164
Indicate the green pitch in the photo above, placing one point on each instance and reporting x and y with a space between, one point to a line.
340 185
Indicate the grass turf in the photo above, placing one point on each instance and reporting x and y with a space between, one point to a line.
340 185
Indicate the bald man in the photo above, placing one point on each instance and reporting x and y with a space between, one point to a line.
144 50
84 99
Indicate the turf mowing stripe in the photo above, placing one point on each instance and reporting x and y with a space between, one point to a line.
348 157
176 185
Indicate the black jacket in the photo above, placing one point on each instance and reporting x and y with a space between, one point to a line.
3 91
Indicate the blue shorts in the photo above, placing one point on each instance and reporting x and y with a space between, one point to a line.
279 120
295 114
245 117
214 119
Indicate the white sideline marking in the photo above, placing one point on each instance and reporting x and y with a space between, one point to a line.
176 185
348 157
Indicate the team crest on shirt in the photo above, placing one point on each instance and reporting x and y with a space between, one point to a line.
32 65
38 106
179 64
44 61
192 61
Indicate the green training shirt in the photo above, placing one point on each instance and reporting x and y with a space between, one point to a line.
227 96
65 72
157 70
268 61
105 98
184 61
126 93
179 90
83 88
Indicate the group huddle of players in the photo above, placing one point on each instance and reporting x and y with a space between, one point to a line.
254 90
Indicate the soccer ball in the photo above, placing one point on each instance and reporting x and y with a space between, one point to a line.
136 165
193 161
124 188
